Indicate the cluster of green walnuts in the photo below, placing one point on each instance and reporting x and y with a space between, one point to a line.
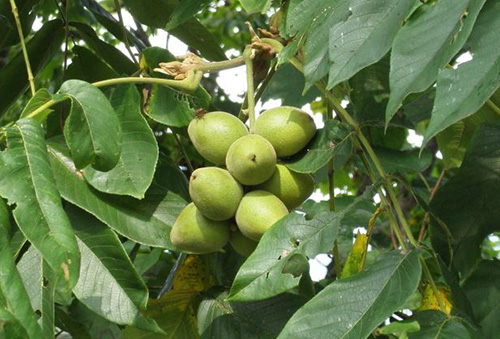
240 202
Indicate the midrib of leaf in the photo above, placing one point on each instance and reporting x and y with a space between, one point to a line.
32 179
378 295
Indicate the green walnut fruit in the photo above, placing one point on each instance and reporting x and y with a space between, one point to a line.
251 159
258 211
241 244
215 192
290 187
213 133
194 233
288 129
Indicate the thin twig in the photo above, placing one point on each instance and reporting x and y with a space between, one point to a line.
184 153
31 79
167 286
425 222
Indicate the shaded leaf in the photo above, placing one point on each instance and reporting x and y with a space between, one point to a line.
337 312
92 129
146 221
255 6
27 10
435 325
462 91
88 67
404 161
42 96
41 48
134 172
262 275
287 84
468 202
483 290
218 318
365 37
15 307
169 107
116 59
426 43
48 288
26 180
331 141
185 10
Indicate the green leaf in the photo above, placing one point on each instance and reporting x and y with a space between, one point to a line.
5 217
42 96
13 297
88 67
184 11
287 84
453 141
468 202
169 107
354 307
426 43
218 318
462 91
483 291
116 59
365 37
109 284
27 10
255 6
146 221
331 141
134 172
41 48
157 13
92 129
30 269
48 288
404 161
27 181
436 325
264 274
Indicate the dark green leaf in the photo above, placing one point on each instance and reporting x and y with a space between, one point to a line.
468 202
462 91
404 161
264 273
88 67
255 6
26 180
13 297
41 48
48 288
453 141
483 291
432 36
27 10
109 284
92 129
365 37
146 221
134 172
331 141
355 306
169 107
30 269
287 84
436 325
116 59
5 217
184 11
218 318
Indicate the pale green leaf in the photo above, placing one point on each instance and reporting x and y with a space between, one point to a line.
255 6
352 308
41 97
365 37
92 129
134 171
26 180
425 44
462 91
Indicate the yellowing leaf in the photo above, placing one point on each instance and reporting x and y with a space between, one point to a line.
356 260
430 301
175 311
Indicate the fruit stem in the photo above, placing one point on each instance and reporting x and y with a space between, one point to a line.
258 95
248 54
184 153
31 79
